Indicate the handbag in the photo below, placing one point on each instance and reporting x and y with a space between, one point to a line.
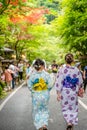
80 92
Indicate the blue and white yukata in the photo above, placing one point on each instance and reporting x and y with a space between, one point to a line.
68 81
40 97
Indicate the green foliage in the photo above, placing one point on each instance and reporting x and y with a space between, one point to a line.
71 25
4 5
53 6
0 90
44 44
3 28
63 31
2 84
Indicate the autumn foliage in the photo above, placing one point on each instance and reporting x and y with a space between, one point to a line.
27 14
35 16
16 2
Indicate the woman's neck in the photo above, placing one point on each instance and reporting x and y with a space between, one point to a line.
40 70
68 65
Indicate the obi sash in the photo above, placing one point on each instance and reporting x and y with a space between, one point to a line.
69 82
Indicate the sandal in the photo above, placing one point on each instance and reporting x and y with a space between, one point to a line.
41 128
44 128
69 127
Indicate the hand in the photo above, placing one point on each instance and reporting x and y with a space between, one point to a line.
27 77
59 97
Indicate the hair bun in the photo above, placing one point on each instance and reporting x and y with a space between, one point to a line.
69 58
38 63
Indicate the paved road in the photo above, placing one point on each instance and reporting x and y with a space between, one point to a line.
16 114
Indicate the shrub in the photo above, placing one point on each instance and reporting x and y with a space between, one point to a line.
0 90
2 84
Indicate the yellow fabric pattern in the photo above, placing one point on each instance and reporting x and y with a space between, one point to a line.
40 85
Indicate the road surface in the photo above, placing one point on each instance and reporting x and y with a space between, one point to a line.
16 112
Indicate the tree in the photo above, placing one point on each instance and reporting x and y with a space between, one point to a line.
16 19
71 25
26 29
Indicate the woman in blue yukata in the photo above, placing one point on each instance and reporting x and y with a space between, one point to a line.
68 82
39 84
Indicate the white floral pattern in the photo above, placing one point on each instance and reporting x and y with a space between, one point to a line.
40 99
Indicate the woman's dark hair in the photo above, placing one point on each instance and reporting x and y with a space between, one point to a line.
6 67
69 58
38 63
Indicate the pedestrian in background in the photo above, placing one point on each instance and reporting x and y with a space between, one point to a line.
14 75
40 85
8 78
20 66
54 67
85 78
31 70
78 65
12 67
27 68
27 71
68 82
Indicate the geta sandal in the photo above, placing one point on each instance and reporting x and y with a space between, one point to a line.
69 127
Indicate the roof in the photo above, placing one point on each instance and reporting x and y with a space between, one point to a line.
1 58
5 49
7 61
83 57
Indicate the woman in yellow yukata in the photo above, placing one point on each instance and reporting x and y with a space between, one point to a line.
40 85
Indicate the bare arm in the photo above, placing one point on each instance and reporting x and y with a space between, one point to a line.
84 73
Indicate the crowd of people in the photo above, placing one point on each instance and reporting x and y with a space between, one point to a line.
69 81
12 74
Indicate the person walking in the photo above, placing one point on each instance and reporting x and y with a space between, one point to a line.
20 66
27 68
85 78
78 65
54 67
12 68
39 84
68 82
27 72
31 70
8 78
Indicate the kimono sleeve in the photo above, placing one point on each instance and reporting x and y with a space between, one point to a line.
59 80
49 81
30 83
